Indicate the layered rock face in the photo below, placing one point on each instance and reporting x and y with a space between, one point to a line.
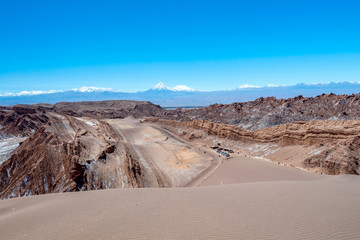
312 132
338 141
21 120
69 154
268 112
340 157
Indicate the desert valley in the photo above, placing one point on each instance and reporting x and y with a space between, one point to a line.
265 169
180 120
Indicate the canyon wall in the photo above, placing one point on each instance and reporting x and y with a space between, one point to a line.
338 141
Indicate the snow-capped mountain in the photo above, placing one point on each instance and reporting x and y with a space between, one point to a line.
37 92
180 95
92 89
27 93
162 86
183 88
247 86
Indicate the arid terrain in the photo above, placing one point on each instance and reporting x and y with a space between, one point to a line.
268 112
267 169
74 154
244 199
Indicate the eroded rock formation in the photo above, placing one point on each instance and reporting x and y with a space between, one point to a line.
316 131
21 120
268 112
338 141
69 147
69 154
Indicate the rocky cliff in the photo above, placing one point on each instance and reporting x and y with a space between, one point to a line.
268 112
69 154
312 132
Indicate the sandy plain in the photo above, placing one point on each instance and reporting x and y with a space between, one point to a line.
238 198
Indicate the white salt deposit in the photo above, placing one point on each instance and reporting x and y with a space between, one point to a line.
7 146
90 123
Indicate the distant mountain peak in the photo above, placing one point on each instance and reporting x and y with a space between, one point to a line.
183 88
92 89
162 86
247 86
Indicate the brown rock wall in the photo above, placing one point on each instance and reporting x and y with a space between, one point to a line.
339 140
268 112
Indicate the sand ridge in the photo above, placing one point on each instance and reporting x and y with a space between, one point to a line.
321 209
245 170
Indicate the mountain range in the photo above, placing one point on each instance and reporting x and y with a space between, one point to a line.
181 95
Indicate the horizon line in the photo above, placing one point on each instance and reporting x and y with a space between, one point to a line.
178 88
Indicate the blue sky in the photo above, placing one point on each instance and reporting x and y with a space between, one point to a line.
207 45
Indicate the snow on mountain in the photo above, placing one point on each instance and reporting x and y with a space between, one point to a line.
162 86
247 86
183 88
83 89
29 93
92 89
273 85
180 95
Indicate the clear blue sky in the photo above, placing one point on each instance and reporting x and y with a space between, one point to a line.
132 45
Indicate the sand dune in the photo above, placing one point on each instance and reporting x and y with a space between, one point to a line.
244 170
273 202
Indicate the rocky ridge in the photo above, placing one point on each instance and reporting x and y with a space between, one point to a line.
23 120
109 109
69 154
268 112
